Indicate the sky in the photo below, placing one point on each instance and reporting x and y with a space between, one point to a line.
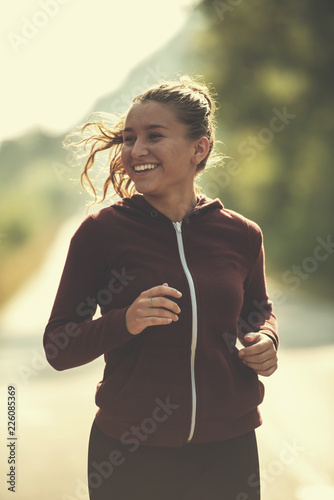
59 56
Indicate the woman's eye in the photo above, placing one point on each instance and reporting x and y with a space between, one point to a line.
129 138
151 137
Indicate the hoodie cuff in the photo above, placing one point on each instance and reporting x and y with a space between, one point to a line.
120 335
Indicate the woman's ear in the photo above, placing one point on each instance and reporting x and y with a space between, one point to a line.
202 147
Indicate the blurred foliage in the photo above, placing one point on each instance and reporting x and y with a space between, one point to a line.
264 57
272 66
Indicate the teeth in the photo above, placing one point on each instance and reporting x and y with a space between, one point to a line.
140 168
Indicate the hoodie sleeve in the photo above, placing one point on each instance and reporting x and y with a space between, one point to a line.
70 339
257 311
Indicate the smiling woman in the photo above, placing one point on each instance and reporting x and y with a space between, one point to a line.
174 119
178 279
161 158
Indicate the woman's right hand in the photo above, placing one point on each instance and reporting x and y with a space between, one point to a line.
152 308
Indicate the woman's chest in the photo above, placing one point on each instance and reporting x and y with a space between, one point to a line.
215 261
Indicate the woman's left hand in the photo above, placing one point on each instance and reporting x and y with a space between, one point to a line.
260 354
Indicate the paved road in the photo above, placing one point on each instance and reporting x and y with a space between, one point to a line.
55 409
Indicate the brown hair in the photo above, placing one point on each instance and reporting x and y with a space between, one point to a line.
194 106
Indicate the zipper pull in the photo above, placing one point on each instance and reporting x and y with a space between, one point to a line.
178 226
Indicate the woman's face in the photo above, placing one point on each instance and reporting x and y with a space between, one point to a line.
156 153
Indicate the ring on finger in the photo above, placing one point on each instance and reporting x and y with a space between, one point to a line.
150 299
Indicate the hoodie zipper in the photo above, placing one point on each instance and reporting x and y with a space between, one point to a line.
178 229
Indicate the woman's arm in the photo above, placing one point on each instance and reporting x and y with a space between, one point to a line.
257 328
71 337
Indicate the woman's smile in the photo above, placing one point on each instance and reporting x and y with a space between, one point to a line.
156 153
144 168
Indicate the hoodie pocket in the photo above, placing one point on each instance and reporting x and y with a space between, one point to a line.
157 372
228 388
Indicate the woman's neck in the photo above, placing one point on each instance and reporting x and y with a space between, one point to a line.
173 207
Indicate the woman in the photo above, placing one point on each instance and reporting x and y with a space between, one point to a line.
178 278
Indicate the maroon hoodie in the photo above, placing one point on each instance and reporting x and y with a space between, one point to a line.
174 383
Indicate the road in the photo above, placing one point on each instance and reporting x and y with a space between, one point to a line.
55 409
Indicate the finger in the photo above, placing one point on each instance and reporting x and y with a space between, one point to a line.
162 290
254 349
155 321
252 337
163 302
137 321
257 355
155 312
268 372
266 365
262 363
262 345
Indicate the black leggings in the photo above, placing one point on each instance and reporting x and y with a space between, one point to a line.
223 470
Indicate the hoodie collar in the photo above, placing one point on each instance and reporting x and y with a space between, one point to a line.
138 206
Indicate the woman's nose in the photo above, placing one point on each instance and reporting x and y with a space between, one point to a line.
139 149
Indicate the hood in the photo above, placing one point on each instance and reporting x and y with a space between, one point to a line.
137 206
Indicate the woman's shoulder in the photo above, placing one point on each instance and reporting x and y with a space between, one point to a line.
90 223
108 212
113 216
241 220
